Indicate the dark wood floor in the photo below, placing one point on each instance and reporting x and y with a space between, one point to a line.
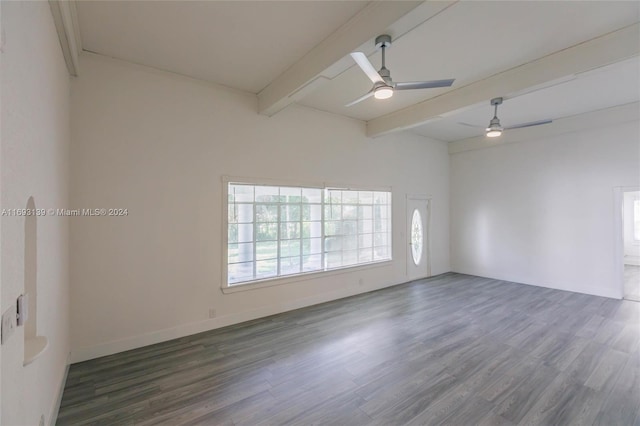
454 349
632 282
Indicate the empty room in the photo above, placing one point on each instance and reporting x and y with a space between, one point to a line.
319 212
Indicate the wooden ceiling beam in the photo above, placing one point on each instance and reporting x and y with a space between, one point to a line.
306 74
65 18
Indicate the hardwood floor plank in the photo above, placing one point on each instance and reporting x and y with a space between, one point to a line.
492 419
454 349
454 411
608 331
585 363
618 410
209 414
411 402
564 354
564 402
605 374
520 398
590 327
396 381
305 401
629 338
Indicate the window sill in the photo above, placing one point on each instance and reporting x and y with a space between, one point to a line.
271 282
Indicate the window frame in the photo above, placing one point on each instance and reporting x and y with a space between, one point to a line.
302 276
634 223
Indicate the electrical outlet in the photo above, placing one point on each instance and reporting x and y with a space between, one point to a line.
8 323
212 313
41 420
360 281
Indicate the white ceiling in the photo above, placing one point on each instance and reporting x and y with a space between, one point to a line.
247 45
470 41
241 44
616 84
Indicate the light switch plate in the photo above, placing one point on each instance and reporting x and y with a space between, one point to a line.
8 323
22 310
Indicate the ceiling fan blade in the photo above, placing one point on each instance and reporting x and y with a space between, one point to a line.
369 70
530 124
360 99
409 85
470 125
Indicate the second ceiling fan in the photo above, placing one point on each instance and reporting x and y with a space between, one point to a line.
383 85
495 129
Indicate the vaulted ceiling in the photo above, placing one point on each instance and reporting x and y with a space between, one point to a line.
549 60
240 44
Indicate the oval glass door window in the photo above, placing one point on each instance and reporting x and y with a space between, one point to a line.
416 237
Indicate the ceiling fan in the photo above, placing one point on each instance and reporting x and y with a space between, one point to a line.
383 85
495 129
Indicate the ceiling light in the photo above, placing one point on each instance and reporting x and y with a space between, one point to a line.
494 129
383 92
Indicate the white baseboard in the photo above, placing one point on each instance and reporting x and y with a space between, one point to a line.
592 291
134 342
53 413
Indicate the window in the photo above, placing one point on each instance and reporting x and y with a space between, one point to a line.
357 227
416 237
276 231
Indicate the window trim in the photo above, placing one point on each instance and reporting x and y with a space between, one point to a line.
635 241
303 276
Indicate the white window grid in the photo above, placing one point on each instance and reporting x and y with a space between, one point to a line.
325 201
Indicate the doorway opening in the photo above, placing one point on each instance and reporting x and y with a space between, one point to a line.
631 244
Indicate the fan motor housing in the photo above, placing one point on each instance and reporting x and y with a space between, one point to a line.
383 40
385 74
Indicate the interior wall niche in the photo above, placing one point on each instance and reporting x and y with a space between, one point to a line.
31 270
34 345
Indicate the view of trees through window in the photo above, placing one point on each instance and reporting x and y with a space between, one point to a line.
277 231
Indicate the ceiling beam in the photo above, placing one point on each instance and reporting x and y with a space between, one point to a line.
65 18
590 120
606 49
375 17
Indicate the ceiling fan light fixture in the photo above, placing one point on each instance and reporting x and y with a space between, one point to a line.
383 92
495 129
383 85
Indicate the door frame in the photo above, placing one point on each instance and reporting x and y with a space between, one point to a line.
618 226
426 232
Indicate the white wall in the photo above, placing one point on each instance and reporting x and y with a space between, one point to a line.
1 304
34 155
542 212
631 246
158 145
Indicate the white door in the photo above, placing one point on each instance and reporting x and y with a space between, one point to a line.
418 238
